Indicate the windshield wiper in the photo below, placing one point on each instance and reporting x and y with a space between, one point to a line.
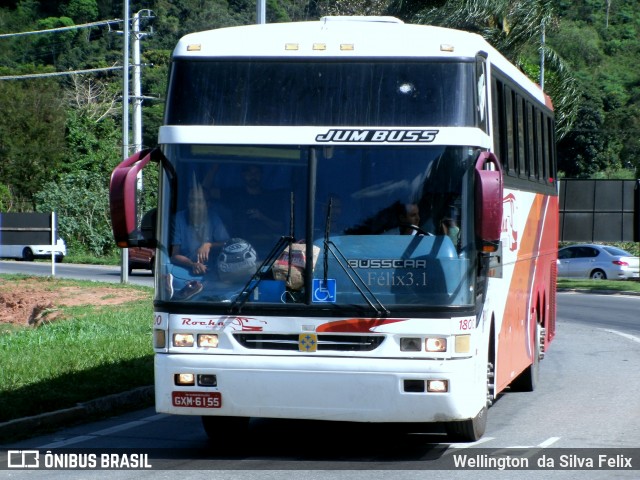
347 268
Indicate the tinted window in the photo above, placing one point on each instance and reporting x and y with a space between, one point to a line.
321 93
617 251
565 253
586 252
362 201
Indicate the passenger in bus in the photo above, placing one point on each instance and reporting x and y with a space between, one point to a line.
197 233
408 214
259 213
451 230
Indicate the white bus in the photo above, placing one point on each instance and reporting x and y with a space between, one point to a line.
29 236
380 234
29 252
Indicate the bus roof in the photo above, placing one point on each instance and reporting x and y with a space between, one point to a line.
346 38
332 36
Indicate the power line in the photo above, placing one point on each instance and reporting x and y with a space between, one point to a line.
55 74
60 29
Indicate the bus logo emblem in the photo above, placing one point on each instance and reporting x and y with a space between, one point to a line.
378 136
307 342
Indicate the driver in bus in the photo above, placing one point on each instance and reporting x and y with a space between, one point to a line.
197 233
408 216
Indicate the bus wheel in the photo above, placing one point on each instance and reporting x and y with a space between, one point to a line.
527 381
468 430
27 254
225 428
491 383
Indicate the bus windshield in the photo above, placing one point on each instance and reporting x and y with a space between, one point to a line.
387 225
289 92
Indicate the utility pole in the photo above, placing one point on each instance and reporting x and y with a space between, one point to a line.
542 47
261 11
137 89
124 253
137 99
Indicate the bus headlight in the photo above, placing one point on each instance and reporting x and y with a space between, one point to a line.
435 344
183 340
188 379
208 340
410 344
437 386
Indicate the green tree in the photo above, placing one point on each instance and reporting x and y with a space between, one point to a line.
580 152
6 198
354 7
81 201
82 11
49 46
32 146
92 134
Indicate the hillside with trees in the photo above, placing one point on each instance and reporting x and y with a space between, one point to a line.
61 89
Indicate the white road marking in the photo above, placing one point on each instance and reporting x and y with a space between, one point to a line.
633 338
548 442
103 432
461 446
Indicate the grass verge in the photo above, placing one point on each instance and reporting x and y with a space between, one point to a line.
88 352
599 285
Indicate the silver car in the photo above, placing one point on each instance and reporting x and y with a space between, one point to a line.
597 262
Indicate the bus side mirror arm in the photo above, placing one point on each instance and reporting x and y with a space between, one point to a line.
488 201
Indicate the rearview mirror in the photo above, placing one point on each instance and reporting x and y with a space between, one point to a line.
123 202
488 200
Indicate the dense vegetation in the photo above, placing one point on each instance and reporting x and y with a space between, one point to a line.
61 135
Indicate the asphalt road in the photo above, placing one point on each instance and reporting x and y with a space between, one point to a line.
100 273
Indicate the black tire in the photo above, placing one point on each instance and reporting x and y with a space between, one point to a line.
27 254
473 429
224 429
527 381
598 275
59 258
470 430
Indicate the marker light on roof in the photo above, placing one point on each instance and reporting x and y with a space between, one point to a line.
319 46
291 46
194 47
347 46
446 48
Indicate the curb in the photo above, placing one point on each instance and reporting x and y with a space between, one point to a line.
69 416
599 292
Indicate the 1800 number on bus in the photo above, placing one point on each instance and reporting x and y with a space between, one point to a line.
197 399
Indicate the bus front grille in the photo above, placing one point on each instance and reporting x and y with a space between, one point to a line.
336 343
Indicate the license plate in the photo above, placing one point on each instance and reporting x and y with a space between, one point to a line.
197 399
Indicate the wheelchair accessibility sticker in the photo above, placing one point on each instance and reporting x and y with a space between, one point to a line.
324 291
